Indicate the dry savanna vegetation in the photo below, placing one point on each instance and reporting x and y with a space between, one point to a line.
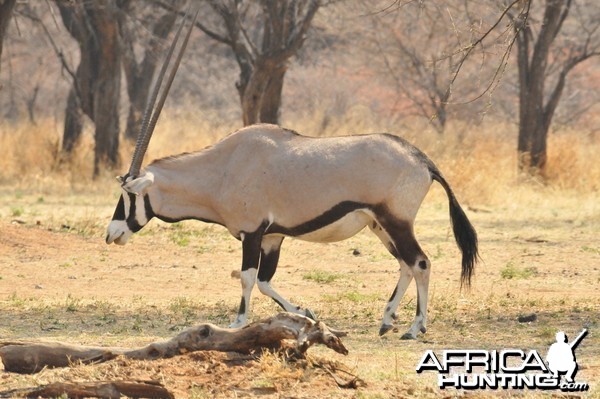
502 96
539 249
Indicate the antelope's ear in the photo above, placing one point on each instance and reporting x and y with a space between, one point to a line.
139 184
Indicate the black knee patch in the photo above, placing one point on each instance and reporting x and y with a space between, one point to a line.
423 264
268 265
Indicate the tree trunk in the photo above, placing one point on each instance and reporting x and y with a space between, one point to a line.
531 106
283 25
271 102
6 7
138 97
254 92
531 120
73 123
534 116
98 77
261 95
106 112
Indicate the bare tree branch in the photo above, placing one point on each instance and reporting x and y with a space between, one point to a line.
479 41
210 33
27 13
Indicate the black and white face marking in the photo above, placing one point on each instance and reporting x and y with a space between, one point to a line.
132 213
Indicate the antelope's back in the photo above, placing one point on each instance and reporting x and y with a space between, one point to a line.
311 175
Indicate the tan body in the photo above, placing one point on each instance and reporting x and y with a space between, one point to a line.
264 182
264 172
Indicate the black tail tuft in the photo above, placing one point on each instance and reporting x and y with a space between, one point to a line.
464 232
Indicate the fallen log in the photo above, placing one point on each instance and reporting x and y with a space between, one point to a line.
271 333
97 389
31 357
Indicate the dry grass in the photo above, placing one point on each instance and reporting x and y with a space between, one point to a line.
480 162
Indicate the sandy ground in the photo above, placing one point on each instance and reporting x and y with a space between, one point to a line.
59 280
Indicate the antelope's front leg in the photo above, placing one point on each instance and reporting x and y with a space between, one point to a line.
250 257
269 258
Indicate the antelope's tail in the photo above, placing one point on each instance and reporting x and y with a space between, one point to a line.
464 232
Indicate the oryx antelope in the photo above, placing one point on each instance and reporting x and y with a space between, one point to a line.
265 183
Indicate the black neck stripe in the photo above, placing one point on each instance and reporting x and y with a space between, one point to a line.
119 210
132 222
148 207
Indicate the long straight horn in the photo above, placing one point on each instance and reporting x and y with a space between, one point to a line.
152 113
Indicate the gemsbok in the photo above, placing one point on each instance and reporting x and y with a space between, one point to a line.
264 183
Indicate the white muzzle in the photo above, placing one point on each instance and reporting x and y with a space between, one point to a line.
118 232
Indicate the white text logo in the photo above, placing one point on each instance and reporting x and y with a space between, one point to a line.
508 368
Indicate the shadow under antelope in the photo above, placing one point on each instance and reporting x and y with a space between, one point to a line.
264 183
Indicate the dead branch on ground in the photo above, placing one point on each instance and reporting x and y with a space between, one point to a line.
98 389
271 333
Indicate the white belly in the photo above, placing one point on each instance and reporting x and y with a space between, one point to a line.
339 230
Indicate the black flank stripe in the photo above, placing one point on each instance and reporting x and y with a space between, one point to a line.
325 219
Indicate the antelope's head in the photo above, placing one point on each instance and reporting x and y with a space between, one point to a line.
133 210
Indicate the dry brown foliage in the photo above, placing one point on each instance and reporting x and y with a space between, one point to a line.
479 161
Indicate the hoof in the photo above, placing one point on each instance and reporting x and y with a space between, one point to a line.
236 325
309 313
385 328
407 336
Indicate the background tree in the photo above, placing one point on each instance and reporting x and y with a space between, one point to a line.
6 8
339 75
148 26
411 47
417 49
263 36
96 86
544 61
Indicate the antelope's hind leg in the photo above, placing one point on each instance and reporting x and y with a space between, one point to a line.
269 257
421 274
401 243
